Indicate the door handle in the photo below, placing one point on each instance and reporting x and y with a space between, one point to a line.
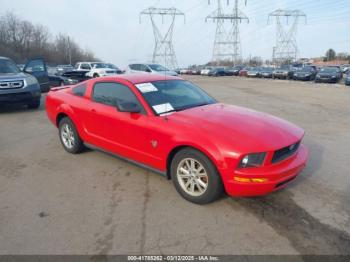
93 110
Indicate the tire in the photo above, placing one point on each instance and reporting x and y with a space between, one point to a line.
95 75
207 175
69 136
34 104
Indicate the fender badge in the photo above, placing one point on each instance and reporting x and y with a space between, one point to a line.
154 143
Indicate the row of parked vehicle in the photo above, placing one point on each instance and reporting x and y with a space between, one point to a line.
329 74
24 83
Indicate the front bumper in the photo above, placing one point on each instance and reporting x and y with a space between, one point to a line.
326 80
20 96
303 78
277 176
280 75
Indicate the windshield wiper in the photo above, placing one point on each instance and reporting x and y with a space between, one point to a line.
191 106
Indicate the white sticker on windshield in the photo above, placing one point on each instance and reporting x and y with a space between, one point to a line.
163 108
146 87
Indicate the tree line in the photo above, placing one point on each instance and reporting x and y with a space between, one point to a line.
332 55
22 40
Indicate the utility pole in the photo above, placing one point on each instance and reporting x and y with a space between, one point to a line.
286 49
69 52
227 46
163 50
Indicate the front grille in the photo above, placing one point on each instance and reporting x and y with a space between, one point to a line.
11 84
284 153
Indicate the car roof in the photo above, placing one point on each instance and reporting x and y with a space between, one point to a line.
143 78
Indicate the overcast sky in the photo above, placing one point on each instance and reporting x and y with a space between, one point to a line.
111 28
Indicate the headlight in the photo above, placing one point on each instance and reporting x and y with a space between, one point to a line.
252 160
333 76
31 80
317 76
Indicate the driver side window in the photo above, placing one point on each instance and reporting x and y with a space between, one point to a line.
35 66
144 68
109 93
85 66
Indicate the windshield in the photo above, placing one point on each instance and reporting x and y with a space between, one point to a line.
99 65
329 70
112 66
285 67
158 68
173 95
8 67
267 69
306 69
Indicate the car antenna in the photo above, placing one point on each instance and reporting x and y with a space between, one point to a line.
166 104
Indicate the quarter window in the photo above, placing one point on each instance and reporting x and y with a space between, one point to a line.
109 93
79 90
35 66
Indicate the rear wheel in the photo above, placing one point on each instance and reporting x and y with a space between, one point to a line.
96 75
195 177
69 136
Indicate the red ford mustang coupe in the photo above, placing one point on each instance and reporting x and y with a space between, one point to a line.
174 128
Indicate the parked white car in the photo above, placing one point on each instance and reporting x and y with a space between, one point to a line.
184 71
97 69
206 71
151 69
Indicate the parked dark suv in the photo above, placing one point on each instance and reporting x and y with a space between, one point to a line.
18 87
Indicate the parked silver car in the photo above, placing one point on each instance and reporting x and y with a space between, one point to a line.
151 69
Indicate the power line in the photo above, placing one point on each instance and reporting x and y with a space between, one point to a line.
227 46
286 48
163 49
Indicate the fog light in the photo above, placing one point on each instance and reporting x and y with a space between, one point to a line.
250 180
242 179
258 180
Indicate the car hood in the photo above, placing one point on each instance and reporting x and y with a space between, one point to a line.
245 129
12 76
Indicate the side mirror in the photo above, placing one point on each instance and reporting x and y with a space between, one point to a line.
130 107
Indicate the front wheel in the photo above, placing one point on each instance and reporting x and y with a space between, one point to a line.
195 177
69 136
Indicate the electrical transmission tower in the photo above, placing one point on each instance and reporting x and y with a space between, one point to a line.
227 45
163 50
286 49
